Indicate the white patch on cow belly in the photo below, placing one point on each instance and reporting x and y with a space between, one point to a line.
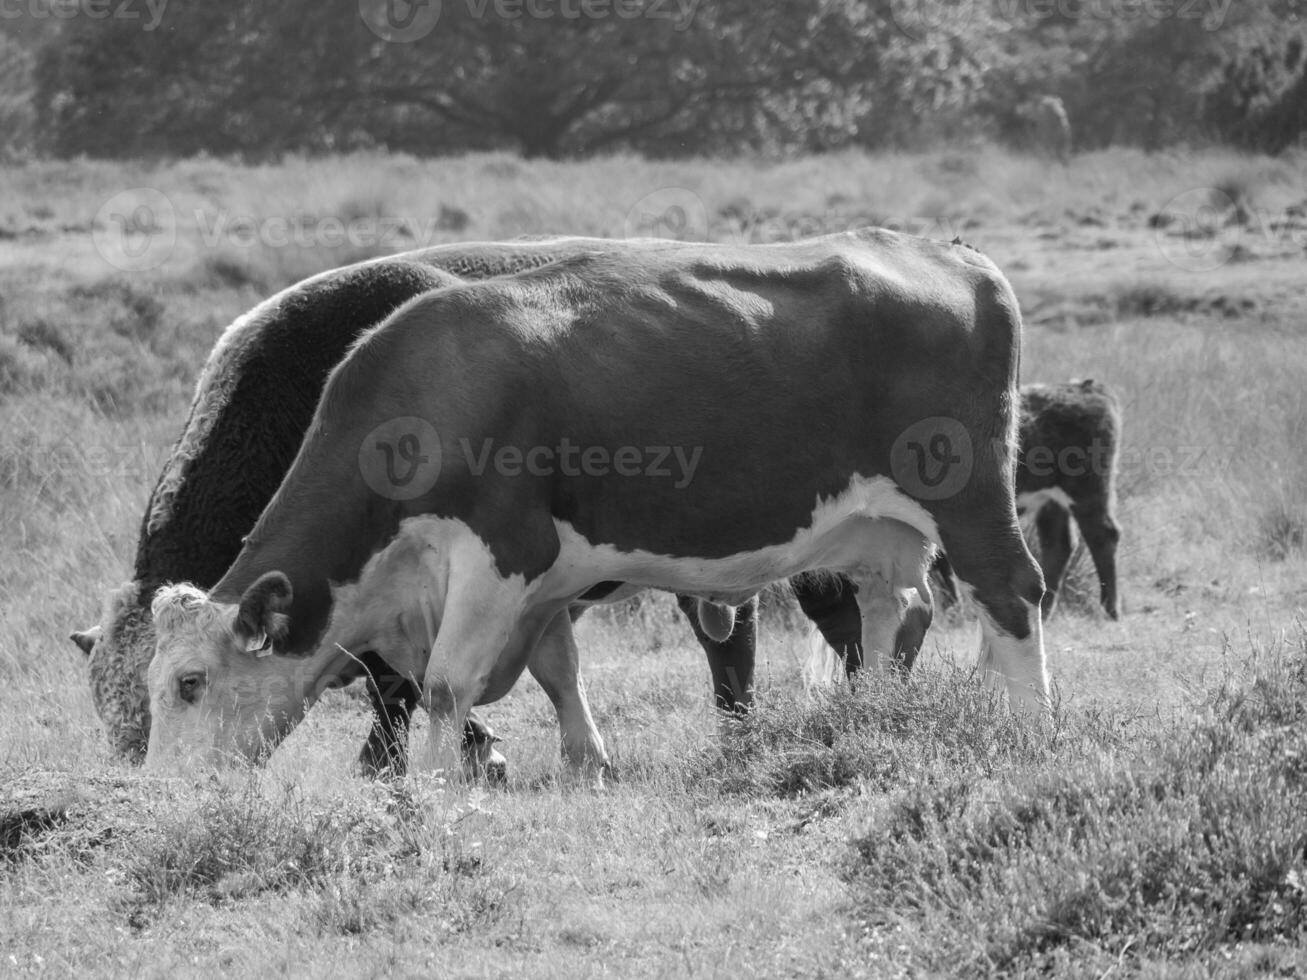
1036 499
397 604
872 527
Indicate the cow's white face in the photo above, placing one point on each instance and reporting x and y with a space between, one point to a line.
216 694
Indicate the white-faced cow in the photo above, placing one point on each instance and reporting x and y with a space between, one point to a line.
253 403
850 403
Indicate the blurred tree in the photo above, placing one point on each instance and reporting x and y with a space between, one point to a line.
258 79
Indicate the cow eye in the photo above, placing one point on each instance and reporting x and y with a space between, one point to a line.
189 687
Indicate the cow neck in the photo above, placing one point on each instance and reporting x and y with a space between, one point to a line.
319 531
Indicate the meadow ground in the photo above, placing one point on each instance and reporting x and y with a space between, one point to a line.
1159 828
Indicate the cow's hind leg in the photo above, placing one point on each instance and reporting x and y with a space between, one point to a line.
831 602
730 661
554 664
1007 585
1053 532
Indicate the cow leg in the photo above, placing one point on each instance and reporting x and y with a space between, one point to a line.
393 698
882 609
730 661
554 664
916 620
482 613
1101 534
1007 585
1053 531
942 572
831 602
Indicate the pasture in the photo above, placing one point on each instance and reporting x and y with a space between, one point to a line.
1158 828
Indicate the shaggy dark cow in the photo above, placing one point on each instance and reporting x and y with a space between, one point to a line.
253 403
1070 435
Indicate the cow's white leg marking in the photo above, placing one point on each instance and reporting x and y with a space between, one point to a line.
554 664
1019 663
482 610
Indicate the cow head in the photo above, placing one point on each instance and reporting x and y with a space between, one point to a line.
118 650
218 691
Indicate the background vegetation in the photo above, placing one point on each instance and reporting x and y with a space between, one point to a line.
668 78
902 829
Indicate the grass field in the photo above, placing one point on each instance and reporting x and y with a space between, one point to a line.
1158 828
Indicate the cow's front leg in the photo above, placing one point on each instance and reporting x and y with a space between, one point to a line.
992 558
393 697
555 665
881 607
482 612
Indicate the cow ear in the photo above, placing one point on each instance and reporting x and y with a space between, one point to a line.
87 639
260 620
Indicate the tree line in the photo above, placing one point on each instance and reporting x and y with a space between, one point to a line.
567 78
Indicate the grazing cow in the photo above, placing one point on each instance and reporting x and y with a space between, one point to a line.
1070 436
253 403
1069 439
845 403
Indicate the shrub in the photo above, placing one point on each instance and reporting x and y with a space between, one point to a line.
1198 844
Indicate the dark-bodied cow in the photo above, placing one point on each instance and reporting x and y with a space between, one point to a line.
1070 437
803 380
253 402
